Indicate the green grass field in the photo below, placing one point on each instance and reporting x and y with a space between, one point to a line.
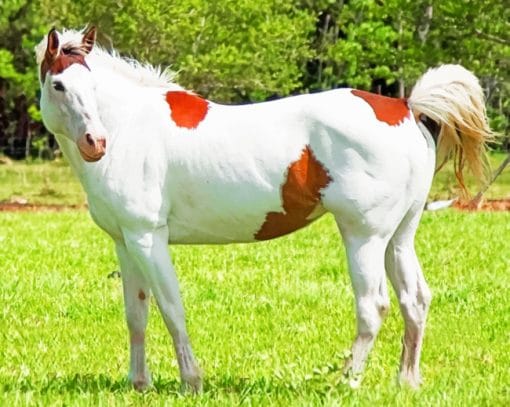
269 322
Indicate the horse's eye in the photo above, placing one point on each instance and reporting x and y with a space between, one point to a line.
58 86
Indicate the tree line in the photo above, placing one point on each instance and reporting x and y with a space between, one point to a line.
235 51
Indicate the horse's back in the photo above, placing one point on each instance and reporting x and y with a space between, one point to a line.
259 171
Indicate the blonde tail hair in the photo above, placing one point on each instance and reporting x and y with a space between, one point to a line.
451 96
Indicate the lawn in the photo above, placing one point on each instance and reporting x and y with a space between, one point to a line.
269 322
54 183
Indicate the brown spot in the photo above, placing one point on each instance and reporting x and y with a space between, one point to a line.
389 110
55 62
60 63
187 109
301 193
141 295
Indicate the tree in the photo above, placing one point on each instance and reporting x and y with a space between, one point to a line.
386 46
237 51
230 50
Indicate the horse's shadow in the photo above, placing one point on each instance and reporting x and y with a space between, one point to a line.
89 383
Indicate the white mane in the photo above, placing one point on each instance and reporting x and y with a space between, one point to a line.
143 74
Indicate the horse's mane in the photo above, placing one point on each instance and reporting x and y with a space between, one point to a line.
141 73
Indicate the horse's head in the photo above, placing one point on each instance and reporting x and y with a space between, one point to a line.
68 103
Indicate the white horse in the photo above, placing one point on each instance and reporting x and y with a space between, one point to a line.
160 164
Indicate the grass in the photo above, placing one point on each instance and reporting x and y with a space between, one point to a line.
53 183
40 182
269 322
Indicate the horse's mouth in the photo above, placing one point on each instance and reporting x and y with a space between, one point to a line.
90 158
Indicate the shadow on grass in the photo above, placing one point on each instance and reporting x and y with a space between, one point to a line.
88 383
77 383
243 387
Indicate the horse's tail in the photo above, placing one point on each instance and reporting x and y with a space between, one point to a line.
452 97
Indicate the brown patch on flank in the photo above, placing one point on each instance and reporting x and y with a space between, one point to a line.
187 109
301 193
141 295
389 110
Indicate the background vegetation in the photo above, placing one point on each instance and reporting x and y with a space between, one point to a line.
244 50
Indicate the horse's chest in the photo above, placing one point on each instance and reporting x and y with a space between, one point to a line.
105 216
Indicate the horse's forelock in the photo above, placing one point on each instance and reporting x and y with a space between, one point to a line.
70 40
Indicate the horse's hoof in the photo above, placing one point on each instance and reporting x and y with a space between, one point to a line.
192 385
410 380
355 382
140 383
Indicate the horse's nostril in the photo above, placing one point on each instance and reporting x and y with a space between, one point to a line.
102 143
89 139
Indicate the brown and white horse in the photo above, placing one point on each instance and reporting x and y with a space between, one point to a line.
160 164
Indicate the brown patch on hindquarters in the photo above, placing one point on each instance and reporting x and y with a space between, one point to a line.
389 110
187 109
141 295
301 193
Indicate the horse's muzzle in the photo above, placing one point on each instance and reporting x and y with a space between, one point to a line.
91 148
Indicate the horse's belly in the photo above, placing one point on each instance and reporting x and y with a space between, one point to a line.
209 231
275 193
239 226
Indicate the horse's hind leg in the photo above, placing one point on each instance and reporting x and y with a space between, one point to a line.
365 256
413 294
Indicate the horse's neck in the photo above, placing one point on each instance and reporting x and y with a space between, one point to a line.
121 101
73 156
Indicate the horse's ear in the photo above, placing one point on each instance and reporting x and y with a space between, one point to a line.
89 39
52 46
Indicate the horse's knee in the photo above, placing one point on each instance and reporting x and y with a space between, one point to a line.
371 311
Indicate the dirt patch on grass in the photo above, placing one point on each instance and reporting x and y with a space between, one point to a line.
485 205
28 207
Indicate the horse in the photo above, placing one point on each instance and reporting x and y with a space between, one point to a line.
161 165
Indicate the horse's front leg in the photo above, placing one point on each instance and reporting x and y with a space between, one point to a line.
150 250
136 304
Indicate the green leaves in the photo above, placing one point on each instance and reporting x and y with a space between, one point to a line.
238 51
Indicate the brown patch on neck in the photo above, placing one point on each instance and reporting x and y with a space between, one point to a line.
389 110
301 193
60 63
187 109
141 295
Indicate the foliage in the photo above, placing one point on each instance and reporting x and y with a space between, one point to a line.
387 45
269 322
229 50
237 51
